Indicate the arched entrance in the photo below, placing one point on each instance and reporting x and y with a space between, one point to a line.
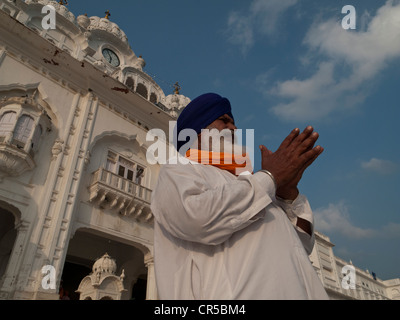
87 246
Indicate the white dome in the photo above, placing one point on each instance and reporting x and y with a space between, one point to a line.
105 264
176 101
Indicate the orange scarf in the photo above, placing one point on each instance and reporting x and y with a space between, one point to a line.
221 160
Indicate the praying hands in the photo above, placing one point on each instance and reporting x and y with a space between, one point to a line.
288 163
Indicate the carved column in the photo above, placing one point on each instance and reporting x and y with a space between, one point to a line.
151 292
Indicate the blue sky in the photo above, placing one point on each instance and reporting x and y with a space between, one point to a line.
286 64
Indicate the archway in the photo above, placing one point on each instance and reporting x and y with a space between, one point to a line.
8 235
87 246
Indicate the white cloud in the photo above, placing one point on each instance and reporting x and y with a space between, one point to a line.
262 17
240 31
380 166
351 60
335 218
310 99
379 42
268 13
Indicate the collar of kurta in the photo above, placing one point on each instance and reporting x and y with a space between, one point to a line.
233 163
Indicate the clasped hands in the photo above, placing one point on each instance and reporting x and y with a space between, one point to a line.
288 163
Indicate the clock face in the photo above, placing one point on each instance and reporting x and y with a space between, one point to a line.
111 57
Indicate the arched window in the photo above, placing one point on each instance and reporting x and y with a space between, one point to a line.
153 98
23 130
142 90
7 123
130 83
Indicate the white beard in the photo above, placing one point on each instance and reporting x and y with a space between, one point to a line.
221 141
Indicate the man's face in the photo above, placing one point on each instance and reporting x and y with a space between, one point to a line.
219 134
223 122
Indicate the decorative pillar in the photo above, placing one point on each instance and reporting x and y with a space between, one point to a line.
151 291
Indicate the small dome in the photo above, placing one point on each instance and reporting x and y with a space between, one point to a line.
83 21
176 101
140 63
105 264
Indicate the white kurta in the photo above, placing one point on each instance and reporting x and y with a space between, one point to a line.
222 237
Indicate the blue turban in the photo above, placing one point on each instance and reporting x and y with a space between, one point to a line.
200 113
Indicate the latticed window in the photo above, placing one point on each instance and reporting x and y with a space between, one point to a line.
7 123
142 90
23 130
111 161
153 98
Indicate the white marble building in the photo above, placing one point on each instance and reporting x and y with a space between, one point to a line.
75 108
366 286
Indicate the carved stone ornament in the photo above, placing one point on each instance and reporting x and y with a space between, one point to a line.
106 25
57 148
14 161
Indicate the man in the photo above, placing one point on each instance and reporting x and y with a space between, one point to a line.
223 236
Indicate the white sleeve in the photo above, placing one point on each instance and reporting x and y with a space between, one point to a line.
300 207
187 207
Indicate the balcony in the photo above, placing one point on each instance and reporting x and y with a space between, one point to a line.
14 160
112 192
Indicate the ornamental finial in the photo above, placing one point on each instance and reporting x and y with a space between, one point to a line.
108 14
177 88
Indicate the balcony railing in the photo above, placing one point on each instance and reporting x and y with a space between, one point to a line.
113 192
